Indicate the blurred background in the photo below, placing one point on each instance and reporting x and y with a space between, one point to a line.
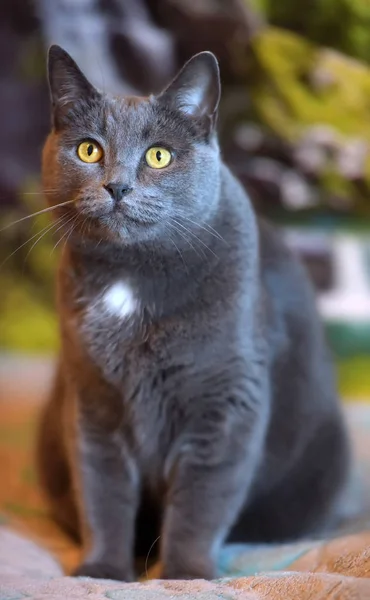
294 127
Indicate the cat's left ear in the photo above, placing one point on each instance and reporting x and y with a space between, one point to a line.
68 85
196 89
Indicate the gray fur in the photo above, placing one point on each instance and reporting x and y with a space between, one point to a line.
209 412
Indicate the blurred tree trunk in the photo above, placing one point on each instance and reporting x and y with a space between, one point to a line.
24 109
115 43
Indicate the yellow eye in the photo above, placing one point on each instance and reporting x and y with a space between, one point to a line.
89 152
158 158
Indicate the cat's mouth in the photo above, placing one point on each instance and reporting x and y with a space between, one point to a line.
98 221
114 224
127 219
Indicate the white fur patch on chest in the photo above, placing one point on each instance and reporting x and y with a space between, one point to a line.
119 300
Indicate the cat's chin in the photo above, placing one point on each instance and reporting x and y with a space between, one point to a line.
106 223
98 230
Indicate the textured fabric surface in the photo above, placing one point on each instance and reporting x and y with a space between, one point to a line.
334 568
27 571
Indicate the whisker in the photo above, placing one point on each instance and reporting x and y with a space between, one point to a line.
99 242
64 224
69 234
66 233
83 227
187 240
147 556
48 228
207 228
180 253
151 205
43 233
63 237
39 212
195 236
40 193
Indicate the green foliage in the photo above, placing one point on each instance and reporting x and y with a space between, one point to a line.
340 24
295 86
32 64
349 339
354 378
27 316
299 85
27 323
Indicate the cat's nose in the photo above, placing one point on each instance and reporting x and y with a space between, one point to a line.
118 190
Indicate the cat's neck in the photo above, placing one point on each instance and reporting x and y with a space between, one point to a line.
194 248
162 275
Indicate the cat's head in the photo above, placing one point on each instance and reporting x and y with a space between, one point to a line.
135 168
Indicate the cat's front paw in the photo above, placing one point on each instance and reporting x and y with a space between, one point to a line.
103 571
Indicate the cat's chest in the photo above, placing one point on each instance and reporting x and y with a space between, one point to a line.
117 301
110 324
154 412
139 363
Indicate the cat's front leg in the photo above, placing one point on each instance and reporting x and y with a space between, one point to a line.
106 482
209 485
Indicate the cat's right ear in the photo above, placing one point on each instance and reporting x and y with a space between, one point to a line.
67 83
196 90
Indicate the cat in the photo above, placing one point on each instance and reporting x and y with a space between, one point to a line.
195 398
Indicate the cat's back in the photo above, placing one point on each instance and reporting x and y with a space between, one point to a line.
254 241
284 277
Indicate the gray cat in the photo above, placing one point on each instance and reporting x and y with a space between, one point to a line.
194 394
